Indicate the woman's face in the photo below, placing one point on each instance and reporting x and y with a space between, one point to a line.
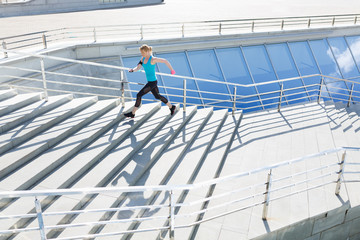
144 53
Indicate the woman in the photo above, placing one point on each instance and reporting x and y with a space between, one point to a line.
148 62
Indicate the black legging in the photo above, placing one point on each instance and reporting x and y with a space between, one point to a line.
150 86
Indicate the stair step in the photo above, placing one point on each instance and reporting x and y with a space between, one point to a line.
214 164
18 101
9 93
67 174
147 142
309 133
30 129
183 172
23 154
60 154
31 111
352 130
163 168
35 172
156 148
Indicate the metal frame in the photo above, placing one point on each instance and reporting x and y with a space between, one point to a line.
172 206
318 66
231 98
297 68
177 29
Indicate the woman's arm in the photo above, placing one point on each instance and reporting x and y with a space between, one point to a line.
137 68
163 60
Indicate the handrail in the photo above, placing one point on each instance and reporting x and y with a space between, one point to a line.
83 191
170 189
173 76
232 99
217 27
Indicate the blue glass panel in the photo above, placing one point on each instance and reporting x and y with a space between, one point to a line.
235 70
343 57
329 67
205 65
285 68
138 77
181 66
262 71
354 45
356 90
306 64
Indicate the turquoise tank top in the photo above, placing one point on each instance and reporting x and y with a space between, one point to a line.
149 70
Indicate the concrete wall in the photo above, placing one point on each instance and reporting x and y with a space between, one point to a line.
339 224
55 6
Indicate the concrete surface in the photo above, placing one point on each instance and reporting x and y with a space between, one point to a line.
178 11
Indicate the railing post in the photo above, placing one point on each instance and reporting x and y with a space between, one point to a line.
44 78
282 24
94 34
122 88
252 26
183 30
141 32
267 196
309 22
355 20
172 215
4 47
44 41
340 174
350 96
184 96
234 102
40 219
333 21
219 28
281 94
321 84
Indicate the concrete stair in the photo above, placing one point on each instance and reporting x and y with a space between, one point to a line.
8 93
18 101
78 143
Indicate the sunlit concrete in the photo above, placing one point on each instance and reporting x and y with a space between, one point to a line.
178 11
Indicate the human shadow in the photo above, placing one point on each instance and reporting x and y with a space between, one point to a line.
31 120
139 176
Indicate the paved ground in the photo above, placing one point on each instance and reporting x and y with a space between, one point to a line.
178 10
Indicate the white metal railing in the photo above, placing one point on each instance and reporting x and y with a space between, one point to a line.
177 29
271 189
325 87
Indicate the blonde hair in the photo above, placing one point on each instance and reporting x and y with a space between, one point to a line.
146 48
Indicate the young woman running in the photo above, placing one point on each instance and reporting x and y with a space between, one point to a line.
148 62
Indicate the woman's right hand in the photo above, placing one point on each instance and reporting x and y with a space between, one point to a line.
131 70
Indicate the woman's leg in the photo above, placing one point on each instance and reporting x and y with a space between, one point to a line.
155 92
142 92
151 86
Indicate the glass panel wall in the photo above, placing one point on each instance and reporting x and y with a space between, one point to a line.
328 67
235 70
306 64
353 43
345 60
285 68
181 66
205 65
337 57
262 71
